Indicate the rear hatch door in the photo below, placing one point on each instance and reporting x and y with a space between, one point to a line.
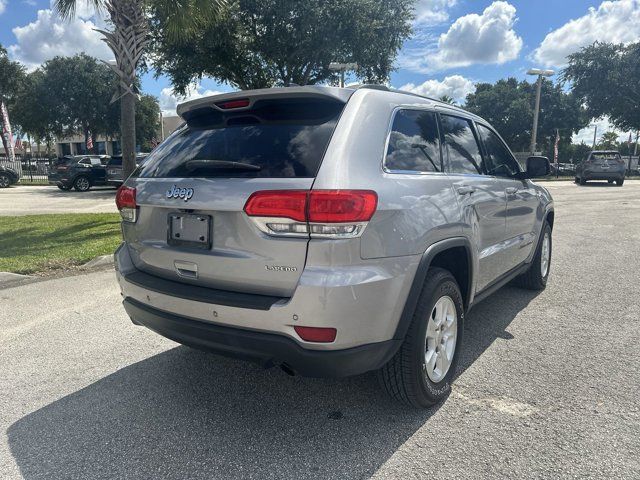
192 189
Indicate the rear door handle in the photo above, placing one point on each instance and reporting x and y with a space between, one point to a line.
511 190
466 189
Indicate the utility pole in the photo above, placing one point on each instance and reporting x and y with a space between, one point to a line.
534 132
595 134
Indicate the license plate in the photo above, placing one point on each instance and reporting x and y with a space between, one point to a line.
189 230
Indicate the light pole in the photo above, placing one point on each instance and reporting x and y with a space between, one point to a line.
540 73
342 67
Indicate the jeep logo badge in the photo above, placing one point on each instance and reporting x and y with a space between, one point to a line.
184 193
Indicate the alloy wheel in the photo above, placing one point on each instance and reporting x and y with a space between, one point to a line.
441 336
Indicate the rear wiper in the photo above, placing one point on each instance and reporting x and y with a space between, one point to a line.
222 164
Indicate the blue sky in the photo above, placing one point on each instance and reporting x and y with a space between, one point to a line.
456 43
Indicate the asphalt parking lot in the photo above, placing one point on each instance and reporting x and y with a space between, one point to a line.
32 200
548 384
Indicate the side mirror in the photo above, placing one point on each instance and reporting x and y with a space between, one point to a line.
537 167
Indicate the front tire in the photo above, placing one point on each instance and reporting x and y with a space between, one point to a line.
536 277
81 184
620 182
421 372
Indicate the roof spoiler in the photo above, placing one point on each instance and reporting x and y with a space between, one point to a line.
251 96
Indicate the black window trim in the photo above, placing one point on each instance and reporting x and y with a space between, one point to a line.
472 123
391 171
485 152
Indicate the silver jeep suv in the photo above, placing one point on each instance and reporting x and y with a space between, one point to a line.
330 231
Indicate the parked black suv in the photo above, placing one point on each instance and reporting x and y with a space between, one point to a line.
8 176
114 168
80 172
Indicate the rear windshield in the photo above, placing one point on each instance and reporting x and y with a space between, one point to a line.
276 138
605 156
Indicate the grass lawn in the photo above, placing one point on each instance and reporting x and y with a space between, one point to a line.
41 243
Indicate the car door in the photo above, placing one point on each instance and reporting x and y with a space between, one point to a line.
98 172
481 198
522 199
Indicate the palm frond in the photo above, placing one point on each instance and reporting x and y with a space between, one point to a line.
67 8
182 18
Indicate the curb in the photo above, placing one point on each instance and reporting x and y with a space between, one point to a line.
7 279
101 261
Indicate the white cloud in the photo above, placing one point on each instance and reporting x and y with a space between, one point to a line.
432 12
3 5
616 22
49 36
454 86
486 38
604 125
169 100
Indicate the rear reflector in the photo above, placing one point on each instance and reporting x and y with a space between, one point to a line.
126 203
244 102
316 334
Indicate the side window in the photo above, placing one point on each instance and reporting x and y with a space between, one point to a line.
96 162
499 160
85 161
460 144
414 144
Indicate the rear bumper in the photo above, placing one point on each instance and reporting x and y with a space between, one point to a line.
363 306
603 175
266 349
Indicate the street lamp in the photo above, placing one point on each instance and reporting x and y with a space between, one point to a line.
342 67
540 73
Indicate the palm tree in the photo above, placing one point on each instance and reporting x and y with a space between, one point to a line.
447 99
128 39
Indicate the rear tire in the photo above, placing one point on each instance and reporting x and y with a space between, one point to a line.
81 184
535 278
582 181
620 182
421 372
5 180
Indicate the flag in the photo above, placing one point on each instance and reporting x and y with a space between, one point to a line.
154 142
555 148
89 141
18 143
630 141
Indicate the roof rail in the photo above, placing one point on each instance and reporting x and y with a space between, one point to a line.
373 86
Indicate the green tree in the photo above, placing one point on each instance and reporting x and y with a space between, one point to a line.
261 43
508 105
605 77
79 90
447 99
37 110
12 78
147 121
608 141
128 37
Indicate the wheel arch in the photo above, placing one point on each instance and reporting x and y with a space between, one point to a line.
454 255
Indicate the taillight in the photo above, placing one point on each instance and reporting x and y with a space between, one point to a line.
126 203
319 213
316 334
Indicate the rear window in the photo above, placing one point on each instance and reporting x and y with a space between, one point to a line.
605 156
276 138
